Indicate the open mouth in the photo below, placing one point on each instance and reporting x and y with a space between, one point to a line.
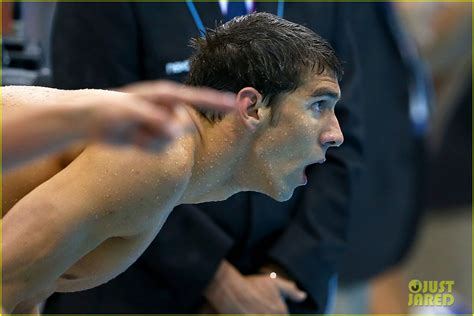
304 178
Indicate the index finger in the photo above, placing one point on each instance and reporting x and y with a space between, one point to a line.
289 290
169 93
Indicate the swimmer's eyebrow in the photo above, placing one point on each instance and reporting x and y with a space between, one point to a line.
326 92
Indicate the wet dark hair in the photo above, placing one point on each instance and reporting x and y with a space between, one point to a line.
259 50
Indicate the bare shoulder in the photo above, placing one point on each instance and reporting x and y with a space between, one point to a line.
131 186
28 96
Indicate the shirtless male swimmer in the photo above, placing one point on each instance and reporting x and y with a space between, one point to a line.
88 216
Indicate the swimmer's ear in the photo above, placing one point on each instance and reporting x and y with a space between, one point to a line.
250 107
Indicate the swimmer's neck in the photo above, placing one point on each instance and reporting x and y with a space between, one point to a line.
219 158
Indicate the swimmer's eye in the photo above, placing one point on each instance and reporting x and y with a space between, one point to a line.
317 107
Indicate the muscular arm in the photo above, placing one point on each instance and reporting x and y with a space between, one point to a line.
40 120
34 123
41 240
104 193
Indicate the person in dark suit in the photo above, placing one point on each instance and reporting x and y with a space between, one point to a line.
387 204
246 237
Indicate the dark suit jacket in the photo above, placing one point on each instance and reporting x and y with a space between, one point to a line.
449 183
387 199
109 45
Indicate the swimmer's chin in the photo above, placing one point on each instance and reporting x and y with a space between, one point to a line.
277 197
207 198
281 196
284 198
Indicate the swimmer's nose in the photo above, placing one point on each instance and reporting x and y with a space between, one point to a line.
332 134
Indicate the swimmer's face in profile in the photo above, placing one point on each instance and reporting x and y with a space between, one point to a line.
286 80
297 134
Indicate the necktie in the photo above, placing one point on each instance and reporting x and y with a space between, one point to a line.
235 8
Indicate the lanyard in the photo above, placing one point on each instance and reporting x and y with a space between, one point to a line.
200 25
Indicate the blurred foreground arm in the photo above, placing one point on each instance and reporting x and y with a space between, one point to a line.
39 121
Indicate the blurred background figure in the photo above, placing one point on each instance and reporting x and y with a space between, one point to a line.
443 245
387 203
443 32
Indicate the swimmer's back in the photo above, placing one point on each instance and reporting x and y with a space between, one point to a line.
91 220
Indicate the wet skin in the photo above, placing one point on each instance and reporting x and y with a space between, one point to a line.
88 215
304 128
